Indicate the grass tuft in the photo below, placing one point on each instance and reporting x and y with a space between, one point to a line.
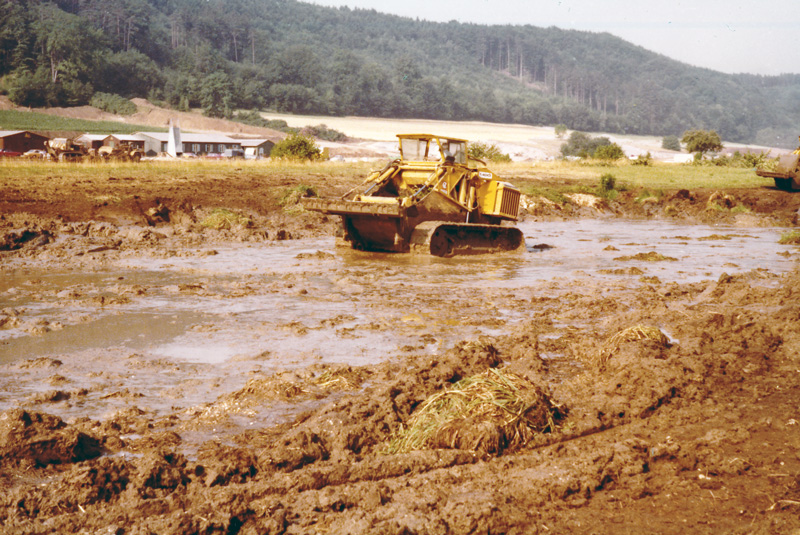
222 218
292 196
790 238
631 334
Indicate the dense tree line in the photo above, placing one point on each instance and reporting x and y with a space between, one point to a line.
285 55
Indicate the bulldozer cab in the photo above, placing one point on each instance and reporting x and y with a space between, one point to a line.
429 148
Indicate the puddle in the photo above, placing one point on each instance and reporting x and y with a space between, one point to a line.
294 303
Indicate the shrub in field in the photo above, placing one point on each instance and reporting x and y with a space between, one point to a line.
583 145
643 159
113 104
322 131
671 143
607 182
254 118
702 141
488 152
296 147
608 152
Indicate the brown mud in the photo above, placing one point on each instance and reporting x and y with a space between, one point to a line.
695 431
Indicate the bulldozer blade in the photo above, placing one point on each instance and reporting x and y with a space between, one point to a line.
352 208
785 173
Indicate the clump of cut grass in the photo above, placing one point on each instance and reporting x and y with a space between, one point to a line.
790 238
290 199
720 202
222 218
487 412
339 379
740 209
652 256
631 334
646 196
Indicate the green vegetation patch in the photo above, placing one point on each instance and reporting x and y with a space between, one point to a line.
113 104
487 412
26 120
292 196
222 218
296 147
487 152
790 238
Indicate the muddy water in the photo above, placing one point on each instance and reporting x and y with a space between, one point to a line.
183 330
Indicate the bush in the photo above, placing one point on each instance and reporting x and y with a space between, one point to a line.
608 152
321 131
583 145
702 141
487 152
113 104
607 182
643 159
33 89
296 147
253 118
741 161
561 130
671 143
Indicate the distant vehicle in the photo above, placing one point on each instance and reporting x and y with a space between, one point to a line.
234 153
5 153
63 149
124 152
35 154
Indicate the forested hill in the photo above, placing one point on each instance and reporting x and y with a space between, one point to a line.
289 56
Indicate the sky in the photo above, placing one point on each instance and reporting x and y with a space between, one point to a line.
731 36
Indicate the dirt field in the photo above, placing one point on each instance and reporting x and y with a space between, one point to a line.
693 430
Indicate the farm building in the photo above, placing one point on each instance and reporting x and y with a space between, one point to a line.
257 148
156 143
95 141
21 140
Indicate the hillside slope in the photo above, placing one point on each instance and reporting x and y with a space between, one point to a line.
301 58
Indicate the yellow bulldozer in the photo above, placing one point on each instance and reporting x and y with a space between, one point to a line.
786 172
433 199
61 149
124 152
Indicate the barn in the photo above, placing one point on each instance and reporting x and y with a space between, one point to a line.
199 144
95 141
21 140
257 148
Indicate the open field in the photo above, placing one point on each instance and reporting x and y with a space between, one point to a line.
521 142
657 176
184 350
26 120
